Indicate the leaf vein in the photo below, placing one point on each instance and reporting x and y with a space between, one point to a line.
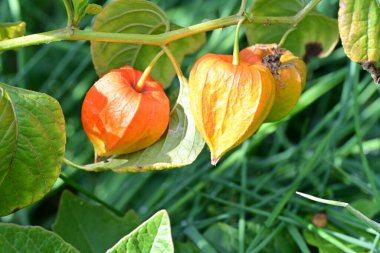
162 17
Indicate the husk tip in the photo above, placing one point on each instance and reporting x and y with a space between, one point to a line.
214 160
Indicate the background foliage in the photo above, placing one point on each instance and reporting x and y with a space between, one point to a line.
329 147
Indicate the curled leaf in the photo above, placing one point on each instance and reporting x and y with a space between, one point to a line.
93 9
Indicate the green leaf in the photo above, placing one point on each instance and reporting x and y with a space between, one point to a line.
154 235
315 35
80 7
320 243
325 241
32 146
284 243
91 228
258 33
12 30
138 17
180 146
188 247
223 238
14 238
77 9
360 33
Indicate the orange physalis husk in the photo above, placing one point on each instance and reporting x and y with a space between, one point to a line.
288 70
120 120
229 102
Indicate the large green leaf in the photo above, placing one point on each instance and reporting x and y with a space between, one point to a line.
138 17
315 35
32 145
360 33
19 239
154 235
180 146
91 228
11 30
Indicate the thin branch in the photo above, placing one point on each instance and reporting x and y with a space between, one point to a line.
146 39
35 39
236 58
174 62
181 77
242 7
298 18
141 83
88 194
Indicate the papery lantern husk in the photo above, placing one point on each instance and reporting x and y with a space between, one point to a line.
289 73
229 102
120 120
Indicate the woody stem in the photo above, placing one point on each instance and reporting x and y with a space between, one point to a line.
140 84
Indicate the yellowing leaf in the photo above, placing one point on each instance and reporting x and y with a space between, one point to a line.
360 33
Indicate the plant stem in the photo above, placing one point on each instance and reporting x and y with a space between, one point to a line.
72 164
242 7
298 18
147 39
140 84
181 77
35 39
69 11
174 62
309 7
236 58
88 194
242 222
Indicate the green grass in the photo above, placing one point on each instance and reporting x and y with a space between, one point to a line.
329 147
